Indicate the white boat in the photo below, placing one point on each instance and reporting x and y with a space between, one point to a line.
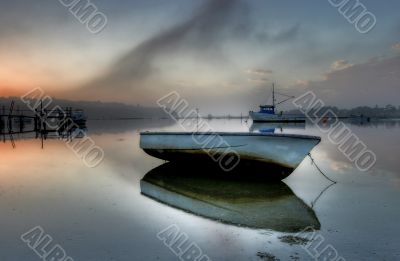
283 150
267 112
240 201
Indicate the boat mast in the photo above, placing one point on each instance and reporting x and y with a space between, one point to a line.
273 94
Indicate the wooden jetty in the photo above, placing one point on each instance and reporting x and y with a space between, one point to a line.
41 122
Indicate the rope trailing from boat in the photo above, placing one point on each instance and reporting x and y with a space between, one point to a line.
320 171
323 174
320 194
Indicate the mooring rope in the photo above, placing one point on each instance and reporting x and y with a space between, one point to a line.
320 194
323 174
320 171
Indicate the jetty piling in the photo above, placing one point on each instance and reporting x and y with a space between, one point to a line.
21 121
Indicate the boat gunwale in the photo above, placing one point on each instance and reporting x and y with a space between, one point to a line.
296 136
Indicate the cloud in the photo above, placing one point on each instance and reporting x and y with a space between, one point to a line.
258 80
197 46
396 47
259 76
283 36
340 65
302 83
260 72
202 34
376 81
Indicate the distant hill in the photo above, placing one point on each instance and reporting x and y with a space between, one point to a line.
94 110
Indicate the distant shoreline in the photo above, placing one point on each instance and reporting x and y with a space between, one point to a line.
113 110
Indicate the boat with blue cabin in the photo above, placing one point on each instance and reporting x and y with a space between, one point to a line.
267 113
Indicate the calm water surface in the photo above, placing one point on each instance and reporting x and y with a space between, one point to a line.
100 214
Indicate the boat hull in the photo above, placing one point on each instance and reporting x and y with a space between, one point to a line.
265 117
284 150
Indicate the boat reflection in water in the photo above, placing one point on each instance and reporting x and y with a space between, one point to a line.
28 131
239 198
269 127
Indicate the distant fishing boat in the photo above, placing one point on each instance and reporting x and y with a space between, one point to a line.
231 198
284 150
79 117
271 127
267 113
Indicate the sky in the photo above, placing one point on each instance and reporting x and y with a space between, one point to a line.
219 55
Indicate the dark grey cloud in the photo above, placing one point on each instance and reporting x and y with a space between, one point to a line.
203 33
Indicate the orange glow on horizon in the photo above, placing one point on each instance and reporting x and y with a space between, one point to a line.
13 92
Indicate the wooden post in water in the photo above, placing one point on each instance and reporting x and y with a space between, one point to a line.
20 120
1 121
35 121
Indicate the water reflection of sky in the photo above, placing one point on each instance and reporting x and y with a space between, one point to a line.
99 214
